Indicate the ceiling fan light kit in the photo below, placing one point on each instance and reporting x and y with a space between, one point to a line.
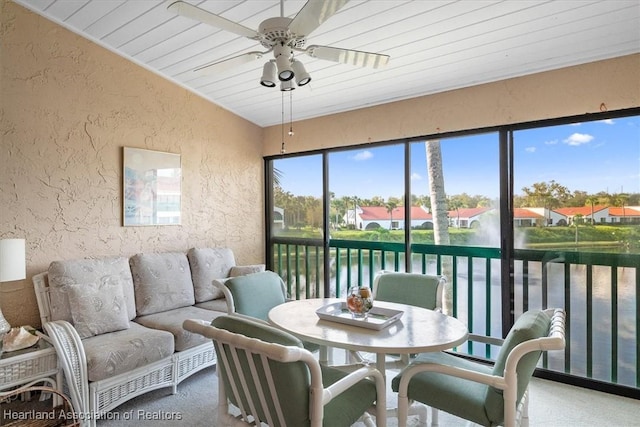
283 36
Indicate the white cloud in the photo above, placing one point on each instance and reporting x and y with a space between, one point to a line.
607 121
363 155
530 149
579 139
552 142
416 177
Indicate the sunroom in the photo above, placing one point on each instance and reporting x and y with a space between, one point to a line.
70 104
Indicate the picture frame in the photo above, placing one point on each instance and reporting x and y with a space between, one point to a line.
152 187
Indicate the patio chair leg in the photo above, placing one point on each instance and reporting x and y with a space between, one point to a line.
416 408
367 419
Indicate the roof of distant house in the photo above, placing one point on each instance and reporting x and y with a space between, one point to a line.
523 213
371 213
582 210
380 213
468 212
619 211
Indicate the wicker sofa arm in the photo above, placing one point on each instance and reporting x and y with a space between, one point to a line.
72 360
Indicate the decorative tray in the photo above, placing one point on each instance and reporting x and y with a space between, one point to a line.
378 317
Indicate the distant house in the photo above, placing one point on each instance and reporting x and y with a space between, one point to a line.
625 215
468 217
374 217
524 217
278 218
600 214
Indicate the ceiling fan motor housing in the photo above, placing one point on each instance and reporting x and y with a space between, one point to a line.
276 31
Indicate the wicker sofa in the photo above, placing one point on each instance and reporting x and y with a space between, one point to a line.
116 322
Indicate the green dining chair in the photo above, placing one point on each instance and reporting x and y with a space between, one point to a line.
266 376
254 295
476 391
421 290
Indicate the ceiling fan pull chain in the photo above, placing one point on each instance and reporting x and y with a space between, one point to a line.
290 113
282 149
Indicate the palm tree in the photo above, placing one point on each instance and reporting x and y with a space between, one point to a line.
439 213
355 209
455 204
390 207
592 200
621 200
438 196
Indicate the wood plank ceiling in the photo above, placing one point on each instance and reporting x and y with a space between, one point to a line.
434 45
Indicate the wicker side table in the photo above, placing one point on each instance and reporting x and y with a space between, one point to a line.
29 366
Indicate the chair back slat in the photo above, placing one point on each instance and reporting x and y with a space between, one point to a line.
273 392
226 373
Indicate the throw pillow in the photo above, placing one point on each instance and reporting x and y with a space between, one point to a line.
243 270
97 308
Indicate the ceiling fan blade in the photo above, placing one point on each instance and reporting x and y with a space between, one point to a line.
348 56
190 11
227 64
313 14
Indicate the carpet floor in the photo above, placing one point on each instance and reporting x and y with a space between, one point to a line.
551 404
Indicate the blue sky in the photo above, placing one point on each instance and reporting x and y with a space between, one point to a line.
595 156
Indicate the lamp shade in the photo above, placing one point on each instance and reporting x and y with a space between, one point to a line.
302 77
12 260
285 73
269 74
287 86
283 54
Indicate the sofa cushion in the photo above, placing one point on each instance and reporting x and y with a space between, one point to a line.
172 320
208 264
102 270
118 352
219 304
97 308
162 282
243 270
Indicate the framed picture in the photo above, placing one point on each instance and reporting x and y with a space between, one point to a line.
151 187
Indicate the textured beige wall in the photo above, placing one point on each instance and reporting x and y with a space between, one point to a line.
67 107
560 93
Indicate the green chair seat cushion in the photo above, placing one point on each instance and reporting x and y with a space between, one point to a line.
346 408
457 396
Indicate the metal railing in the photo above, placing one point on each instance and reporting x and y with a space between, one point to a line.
599 291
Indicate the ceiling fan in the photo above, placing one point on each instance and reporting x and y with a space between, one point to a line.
283 36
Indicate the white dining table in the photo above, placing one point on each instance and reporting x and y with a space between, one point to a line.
418 330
